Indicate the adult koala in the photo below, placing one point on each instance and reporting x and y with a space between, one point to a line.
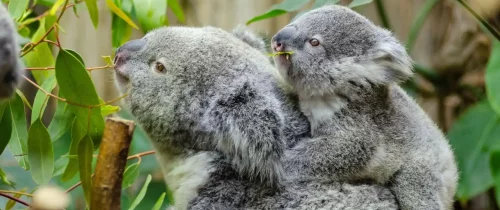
11 66
219 120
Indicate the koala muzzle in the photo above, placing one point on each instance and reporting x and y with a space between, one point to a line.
124 51
280 39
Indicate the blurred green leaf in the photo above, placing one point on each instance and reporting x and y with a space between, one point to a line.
120 31
93 11
177 10
495 170
41 99
472 137
56 6
60 165
47 3
19 136
493 77
320 3
85 149
130 175
75 83
280 9
40 153
158 203
112 6
5 125
419 22
77 134
17 7
109 109
3 177
151 13
61 121
141 194
23 97
40 56
357 3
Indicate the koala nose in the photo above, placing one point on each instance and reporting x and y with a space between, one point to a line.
123 52
279 40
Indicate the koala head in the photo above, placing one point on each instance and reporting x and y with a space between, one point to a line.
335 48
173 75
11 67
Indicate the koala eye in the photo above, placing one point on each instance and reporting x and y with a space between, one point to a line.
159 67
314 42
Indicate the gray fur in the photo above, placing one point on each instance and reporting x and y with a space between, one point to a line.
365 127
11 67
219 106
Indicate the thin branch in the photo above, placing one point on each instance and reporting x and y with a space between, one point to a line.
39 17
14 199
52 68
15 192
52 95
138 155
490 28
383 15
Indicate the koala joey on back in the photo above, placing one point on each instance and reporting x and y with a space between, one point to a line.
346 72
11 67
219 121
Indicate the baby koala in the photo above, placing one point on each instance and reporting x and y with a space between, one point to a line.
346 72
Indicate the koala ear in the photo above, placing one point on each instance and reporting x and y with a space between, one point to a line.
248 36
393 62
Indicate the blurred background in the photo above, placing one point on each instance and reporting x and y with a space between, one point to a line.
452 51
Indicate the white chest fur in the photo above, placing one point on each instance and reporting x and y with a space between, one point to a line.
184 175
320 108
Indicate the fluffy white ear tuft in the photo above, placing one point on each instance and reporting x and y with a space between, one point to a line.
394 62
251 38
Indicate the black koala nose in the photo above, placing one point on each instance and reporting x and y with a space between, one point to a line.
279 40
123 52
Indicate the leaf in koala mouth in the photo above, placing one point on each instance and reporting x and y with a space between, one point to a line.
282 53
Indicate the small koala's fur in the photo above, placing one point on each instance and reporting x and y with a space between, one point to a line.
364 126
11 66
220 122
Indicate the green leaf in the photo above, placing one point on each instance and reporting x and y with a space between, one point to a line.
77 134
109 109
177 10
17 7
493 77
495 169
112 6
357 3
61 121
131 173
60 165
40 56
23 97
141 194
472 137
159 202
3 177
419 22
75 83
320 3
56 6
93 11
151 13
5 125
40 153
85 149
19 136
280 9
120 31
41 99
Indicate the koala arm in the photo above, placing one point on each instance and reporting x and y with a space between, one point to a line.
249 132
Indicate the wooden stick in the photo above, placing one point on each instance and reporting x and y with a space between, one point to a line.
111 161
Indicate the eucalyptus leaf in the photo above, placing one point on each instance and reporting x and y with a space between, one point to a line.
40 153
130 175
77 134
493 77
151 13
19 136
61 121
158 203
17 7
5 125
93 11
85 149
141 194
280 9
40 56
357 3
41 98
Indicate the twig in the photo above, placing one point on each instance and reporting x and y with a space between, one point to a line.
52 68
14 199
490 28
39 17
15 192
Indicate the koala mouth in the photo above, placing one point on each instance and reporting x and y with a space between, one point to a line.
282 54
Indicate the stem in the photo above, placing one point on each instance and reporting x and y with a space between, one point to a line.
427 73
15 192
14 199
490 28
383 15
52 68
52 95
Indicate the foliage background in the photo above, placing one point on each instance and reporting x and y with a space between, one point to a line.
457 81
